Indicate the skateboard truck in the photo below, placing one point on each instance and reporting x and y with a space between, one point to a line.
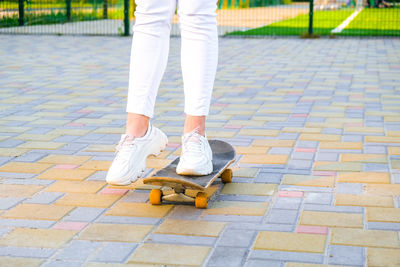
177 194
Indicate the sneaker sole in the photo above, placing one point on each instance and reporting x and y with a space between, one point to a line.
160 150
205 171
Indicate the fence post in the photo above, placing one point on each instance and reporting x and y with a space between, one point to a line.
21 10
126 17
310 23
68 3
105 7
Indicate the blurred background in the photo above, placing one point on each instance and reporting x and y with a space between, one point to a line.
235 17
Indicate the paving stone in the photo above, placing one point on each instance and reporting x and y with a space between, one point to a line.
64 174
320 137
300 164
394 150
129 220
326 156
303 155
64 263
366 158
41 145
114 252
9 261
24 167
382 139
77 226
187 227
271 263
384 189
77 250
267 177
84 214
42 238
363 200
341 145
335 166
236 238
308 180
264 159
139 210
286 256
115 232
169 254
37 212
96 165
257 132
282 216
249 189
290 242
251 150
349 188
273 143
370 149
181 239
237 208
328 208
287 203
29 157
280 151
17 190
9 202
26 252
86 187
184 213
296 264
245 172
383 257
331 219
227 256
364 238
383 215
87 200
319 198
10 143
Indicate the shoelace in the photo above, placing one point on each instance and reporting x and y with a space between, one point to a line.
192 143
122 148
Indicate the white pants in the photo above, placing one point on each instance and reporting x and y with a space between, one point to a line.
150 48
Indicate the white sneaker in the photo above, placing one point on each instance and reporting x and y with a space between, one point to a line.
130 162
196 155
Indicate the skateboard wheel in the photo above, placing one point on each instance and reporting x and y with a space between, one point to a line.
155 196
201 200
226 176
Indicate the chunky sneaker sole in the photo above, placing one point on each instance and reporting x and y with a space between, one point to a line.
130 162
206 169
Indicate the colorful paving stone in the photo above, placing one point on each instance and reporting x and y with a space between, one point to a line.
316 182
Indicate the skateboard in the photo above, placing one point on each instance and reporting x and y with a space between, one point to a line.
184 188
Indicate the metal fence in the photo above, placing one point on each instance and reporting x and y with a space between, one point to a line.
235 17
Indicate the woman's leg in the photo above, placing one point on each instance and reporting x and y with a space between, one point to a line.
149 55
199 58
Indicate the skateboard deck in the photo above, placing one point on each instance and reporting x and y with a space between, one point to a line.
175 187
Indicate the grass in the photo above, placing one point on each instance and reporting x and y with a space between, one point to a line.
50 18
375 22
370 22
324 22
41 12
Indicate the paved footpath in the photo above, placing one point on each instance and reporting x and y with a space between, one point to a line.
316 124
